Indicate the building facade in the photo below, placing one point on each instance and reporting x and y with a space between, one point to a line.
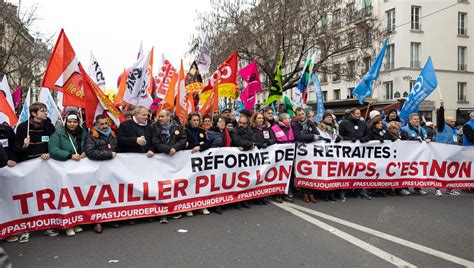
415 30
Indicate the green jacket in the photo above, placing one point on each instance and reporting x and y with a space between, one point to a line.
60 147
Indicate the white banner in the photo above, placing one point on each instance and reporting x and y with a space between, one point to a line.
40 194
401 164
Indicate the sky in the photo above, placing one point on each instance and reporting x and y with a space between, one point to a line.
113 30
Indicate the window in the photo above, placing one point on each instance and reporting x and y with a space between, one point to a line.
366 64
350 70
396 95
390 15
462 17
412 83
351 38
415 55
336 75
415 18
462 91
336 18
325 95
323 76
388 90
405 94
462 59
337 42
337 94
390 57
350 94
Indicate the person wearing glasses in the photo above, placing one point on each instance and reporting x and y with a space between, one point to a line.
32 138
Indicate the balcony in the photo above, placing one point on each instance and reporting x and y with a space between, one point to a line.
415 64
462 67
362 14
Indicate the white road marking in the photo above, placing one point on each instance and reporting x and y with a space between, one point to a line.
391 238
354 240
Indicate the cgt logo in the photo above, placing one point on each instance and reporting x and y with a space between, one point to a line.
417 86
224 72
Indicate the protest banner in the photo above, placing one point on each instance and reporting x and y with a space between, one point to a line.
40 194
403 164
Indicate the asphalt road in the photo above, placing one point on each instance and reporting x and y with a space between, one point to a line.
423 231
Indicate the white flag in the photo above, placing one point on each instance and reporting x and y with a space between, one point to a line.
25 111
203 60
8 93
46 98
136 91
95 72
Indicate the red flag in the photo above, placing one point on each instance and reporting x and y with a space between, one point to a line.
98 103
226 77
6 112
212 103
63 73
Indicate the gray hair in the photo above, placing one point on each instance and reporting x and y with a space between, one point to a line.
283 116
411 115
138 109
471 114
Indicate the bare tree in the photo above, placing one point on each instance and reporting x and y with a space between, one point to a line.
23 54
262 30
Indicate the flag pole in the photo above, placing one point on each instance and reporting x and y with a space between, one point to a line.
28 120
371 99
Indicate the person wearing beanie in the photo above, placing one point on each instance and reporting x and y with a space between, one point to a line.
392 116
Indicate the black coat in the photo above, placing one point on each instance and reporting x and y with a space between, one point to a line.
352 129
163 144
3 157
39 138
263 137
376 134
127 135
306 134
196 137
99 147
7 134
242 137
389 136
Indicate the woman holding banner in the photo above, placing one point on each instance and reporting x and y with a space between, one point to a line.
327 129
219 136
68 143
262 136
284 134
196 142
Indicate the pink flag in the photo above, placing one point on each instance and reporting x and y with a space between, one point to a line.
250 75
17 97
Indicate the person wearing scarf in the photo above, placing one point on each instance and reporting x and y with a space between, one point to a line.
196 142
167 137
262 136
414 132
306 132
32 142
100 145
327 129
206 123
218 135
68 141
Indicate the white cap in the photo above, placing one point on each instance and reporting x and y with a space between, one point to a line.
373 114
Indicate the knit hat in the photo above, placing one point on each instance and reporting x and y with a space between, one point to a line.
373 114
326 114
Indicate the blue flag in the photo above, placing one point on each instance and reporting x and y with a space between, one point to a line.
319 98
364 88
425 84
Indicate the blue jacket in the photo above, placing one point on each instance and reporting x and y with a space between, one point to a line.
468 133
410 133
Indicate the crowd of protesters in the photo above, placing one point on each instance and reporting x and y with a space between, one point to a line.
164 134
